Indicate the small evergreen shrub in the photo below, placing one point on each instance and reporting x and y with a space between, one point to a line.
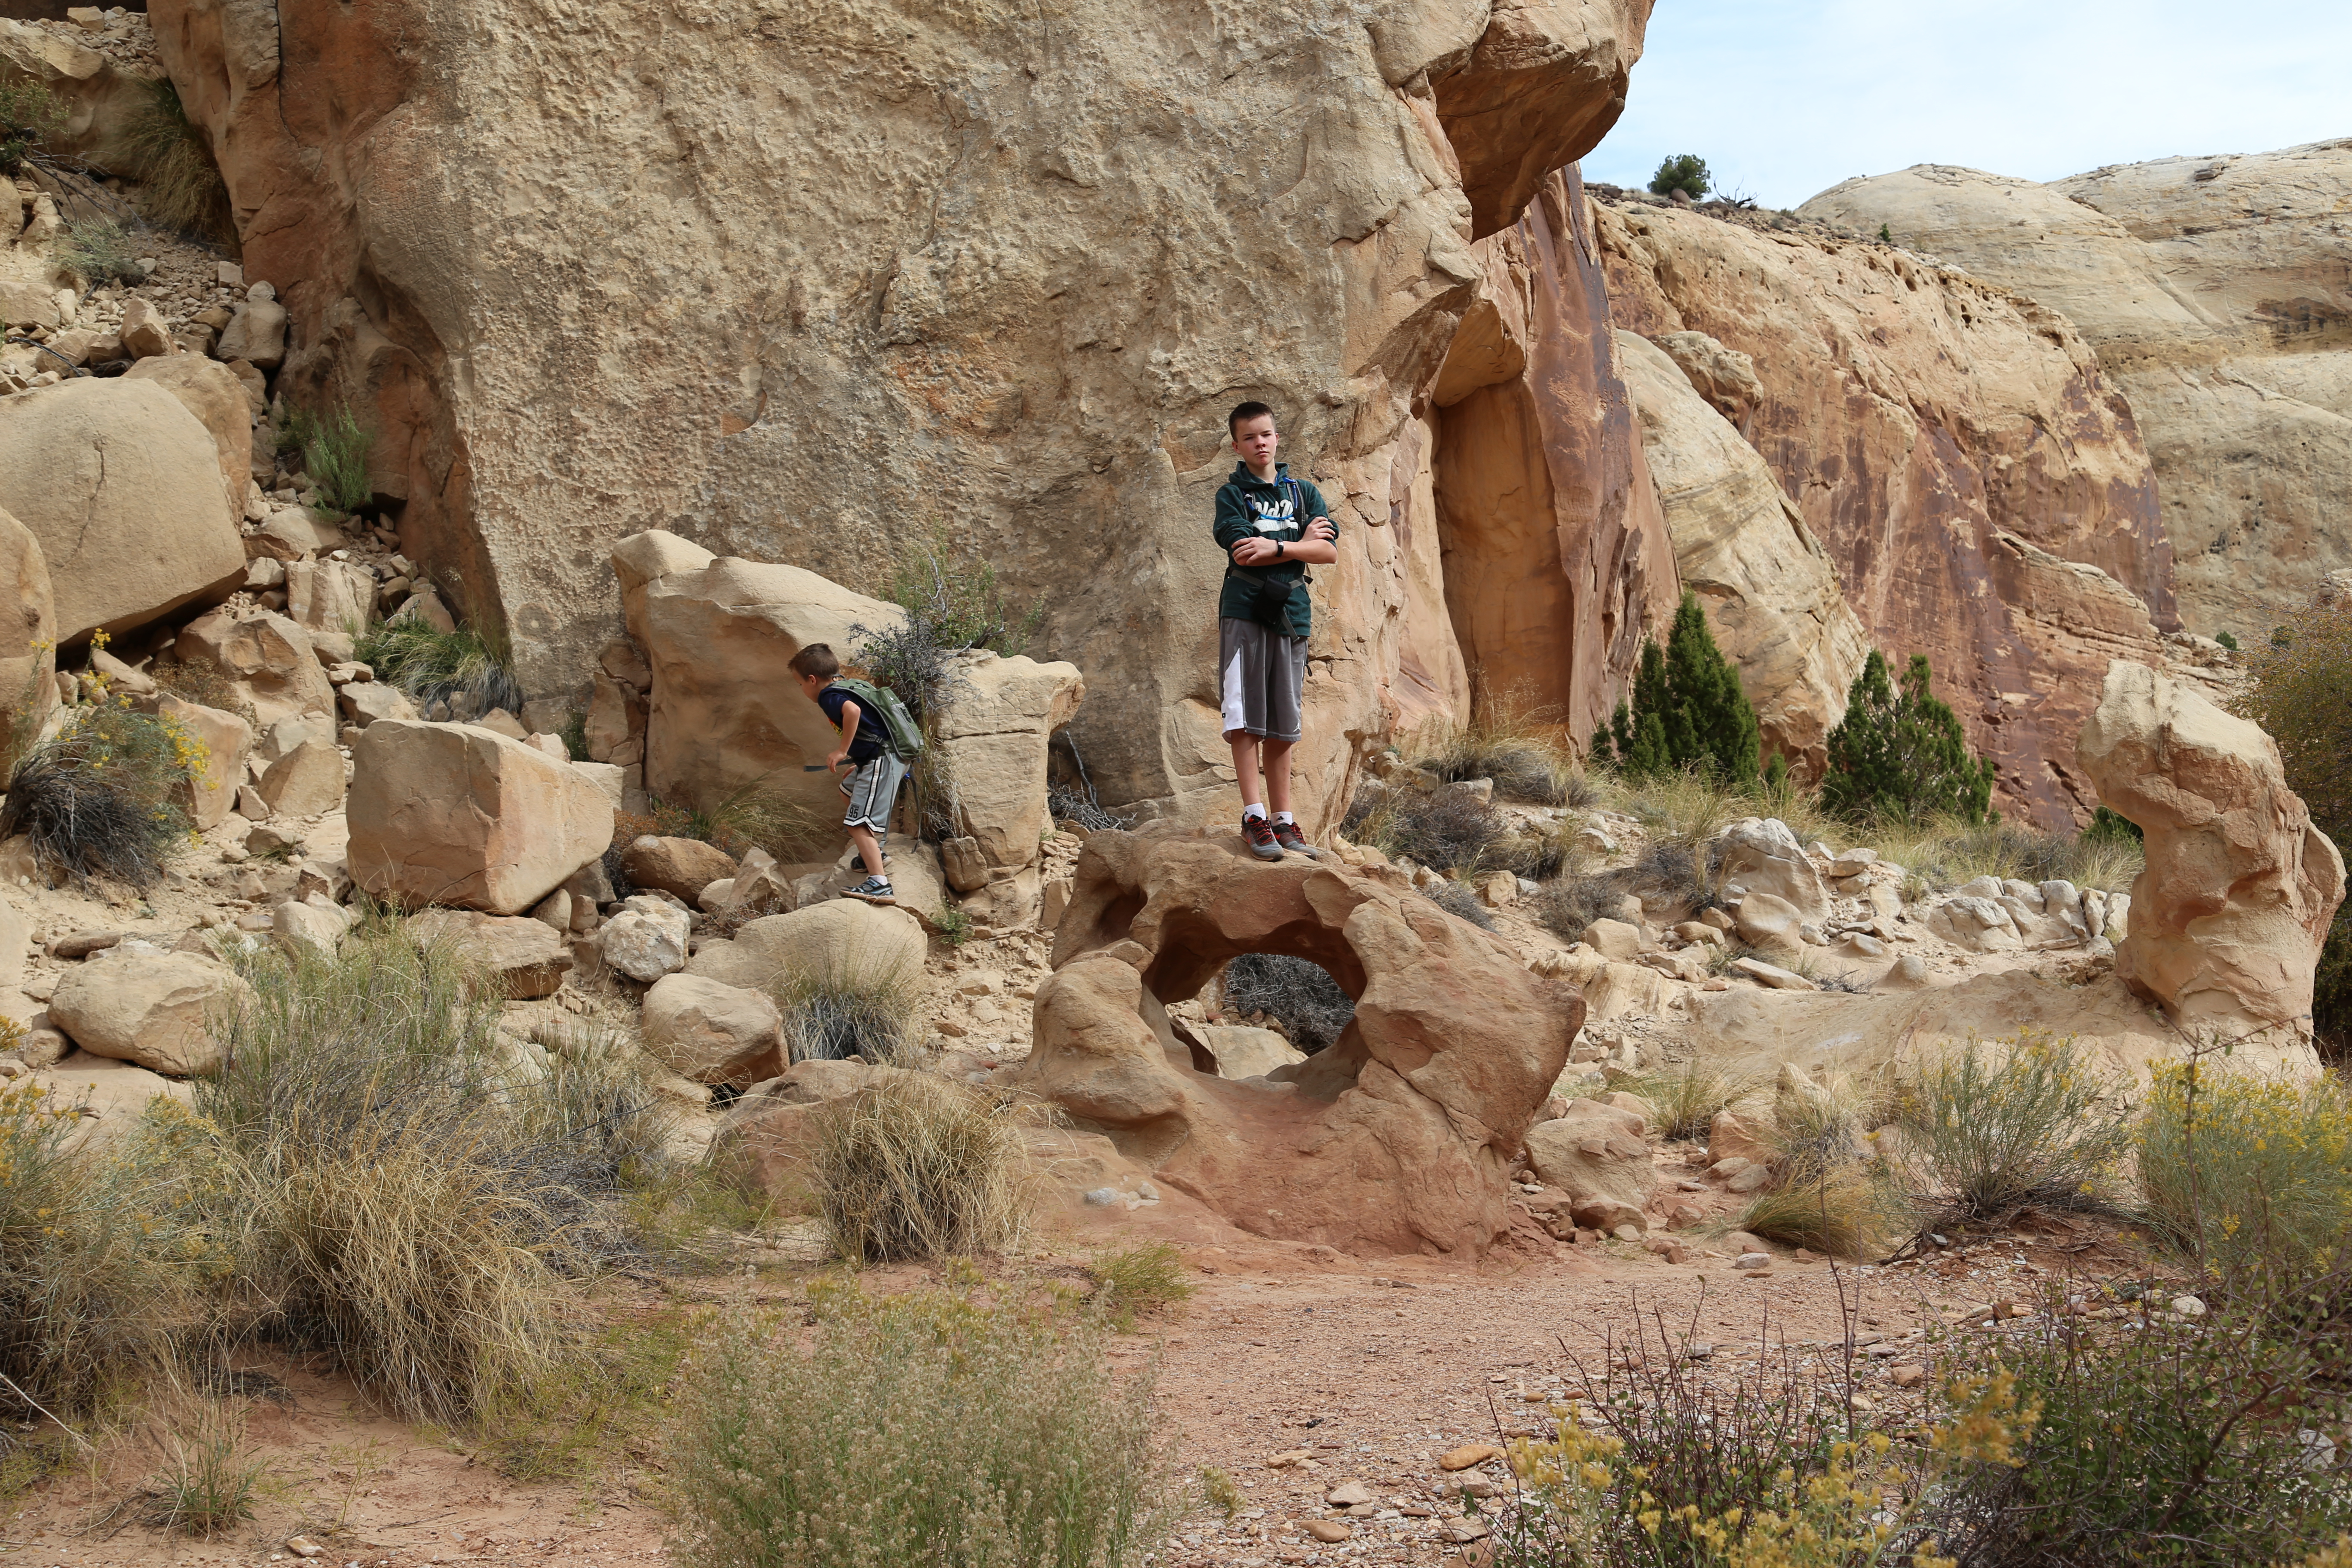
1684 172
1688 710
1140 1279
1902 754
2227 640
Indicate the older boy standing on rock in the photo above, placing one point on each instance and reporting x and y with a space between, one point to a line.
1272 528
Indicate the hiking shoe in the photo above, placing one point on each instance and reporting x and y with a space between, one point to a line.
1260 834
873 887
1286 833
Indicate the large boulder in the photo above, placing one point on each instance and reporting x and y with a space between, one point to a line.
840 940
2228 917
526 958
330 596
647 939
210 792
1594 1152
454 813
992 732
28 634
306 782
720 635
210 391
1771 590
121 486
712 1032
2214 291
271 659
256 333
136 1003
1760 854
682 867
1398 1138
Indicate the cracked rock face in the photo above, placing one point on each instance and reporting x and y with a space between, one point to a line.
822 275
1396 1138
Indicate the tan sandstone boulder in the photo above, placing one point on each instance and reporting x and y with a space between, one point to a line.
1760 854
210 391
453 814
305 781
712 1032
135 1004
211 789
271 658
841 940
720 635
1594 1152
1397 1138
2228 916
121 486
529 958
682 867
1771 590
29 633
993 735
646 938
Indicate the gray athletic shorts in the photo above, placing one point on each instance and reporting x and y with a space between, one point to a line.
873 788
1260 673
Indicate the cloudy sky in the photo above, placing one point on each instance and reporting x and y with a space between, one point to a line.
1786 98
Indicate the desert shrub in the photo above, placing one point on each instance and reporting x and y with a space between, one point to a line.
1448 830
1817 1120
29 115
834 1015
1574 899
1837 1210
183 186
1992 1127
404 1200
2234 1167
100 250
1683 172
1312 1008
102 796
207 1484
952 924
923 1429
2227 640
1522 748
1686 710
81 1295
200 681
332 448
2177 1441
1902 754
1685 1098
1138 1279
917 1167
1460 900
466 667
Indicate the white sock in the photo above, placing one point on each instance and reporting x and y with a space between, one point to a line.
1283 817
1252 813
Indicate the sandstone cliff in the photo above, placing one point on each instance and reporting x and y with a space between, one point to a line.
2218 294
1982 492
797 282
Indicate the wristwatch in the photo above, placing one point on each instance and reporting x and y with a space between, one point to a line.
1278 552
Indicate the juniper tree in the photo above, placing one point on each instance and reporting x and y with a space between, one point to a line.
1902 752
1685 710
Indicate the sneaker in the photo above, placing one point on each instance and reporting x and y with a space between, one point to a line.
1260 834
1286 833
873 887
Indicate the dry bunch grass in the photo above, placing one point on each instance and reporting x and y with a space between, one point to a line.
863 1012
1522 747
916 1166
1686 1099
183 186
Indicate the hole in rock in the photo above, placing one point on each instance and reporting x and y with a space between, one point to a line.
1312 1006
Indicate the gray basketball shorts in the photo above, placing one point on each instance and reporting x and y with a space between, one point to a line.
872 789
1260 673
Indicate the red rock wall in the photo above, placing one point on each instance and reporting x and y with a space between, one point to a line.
1917 417
1556 556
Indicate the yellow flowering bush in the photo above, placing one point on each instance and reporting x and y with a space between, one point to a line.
2236 1167
2002 1123
108 794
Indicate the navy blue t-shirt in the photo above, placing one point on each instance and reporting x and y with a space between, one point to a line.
868 743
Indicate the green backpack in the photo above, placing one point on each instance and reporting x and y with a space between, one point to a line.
903 735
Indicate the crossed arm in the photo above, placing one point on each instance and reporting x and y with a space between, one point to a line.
1316 549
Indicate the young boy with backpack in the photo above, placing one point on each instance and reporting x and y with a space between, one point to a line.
1271 527
879 739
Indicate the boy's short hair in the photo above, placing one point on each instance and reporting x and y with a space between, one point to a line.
1243 411
817 659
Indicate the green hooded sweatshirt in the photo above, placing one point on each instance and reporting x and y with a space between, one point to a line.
1249 507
